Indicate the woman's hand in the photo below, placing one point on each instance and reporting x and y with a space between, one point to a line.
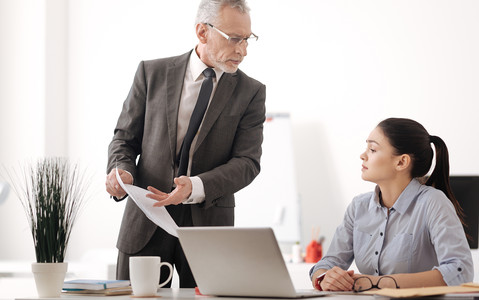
336 279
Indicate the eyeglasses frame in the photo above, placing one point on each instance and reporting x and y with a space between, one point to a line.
373 286
231 39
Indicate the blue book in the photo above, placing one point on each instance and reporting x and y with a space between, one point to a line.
93 284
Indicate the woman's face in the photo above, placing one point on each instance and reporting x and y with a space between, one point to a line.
379 160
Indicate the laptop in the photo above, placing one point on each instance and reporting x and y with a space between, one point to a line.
239 262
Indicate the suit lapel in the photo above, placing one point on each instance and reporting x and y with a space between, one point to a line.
174 84
222 95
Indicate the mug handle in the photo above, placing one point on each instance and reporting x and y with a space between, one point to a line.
169 277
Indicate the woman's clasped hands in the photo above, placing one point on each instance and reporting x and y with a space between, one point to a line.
337 279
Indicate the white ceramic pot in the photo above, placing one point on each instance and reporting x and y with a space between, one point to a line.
49 278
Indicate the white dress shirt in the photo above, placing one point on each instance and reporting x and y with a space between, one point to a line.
189 96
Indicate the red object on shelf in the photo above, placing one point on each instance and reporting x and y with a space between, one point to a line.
314 252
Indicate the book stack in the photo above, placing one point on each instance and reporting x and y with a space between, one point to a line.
97 287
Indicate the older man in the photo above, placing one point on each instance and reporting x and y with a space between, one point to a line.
190 131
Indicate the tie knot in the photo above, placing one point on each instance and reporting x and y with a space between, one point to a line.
209 73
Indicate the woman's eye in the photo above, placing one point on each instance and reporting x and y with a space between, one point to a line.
372 150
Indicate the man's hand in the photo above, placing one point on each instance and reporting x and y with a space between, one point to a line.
181 193
113 187
337 279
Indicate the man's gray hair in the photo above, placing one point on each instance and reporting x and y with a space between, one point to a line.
209 10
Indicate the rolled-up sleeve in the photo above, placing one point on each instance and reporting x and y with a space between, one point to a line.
450 243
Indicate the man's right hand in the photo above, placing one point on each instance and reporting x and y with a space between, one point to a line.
113 187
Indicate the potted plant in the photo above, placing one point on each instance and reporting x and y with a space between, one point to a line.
52 192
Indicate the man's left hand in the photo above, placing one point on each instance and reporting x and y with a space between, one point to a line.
180 194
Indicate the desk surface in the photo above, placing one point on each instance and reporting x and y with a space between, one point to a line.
181 294
24 289
189 294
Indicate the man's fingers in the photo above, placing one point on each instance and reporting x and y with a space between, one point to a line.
114 189
156 191
157 197
161 203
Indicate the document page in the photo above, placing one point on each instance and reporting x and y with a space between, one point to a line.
425 291
158 215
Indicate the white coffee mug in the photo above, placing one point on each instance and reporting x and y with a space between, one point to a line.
145 275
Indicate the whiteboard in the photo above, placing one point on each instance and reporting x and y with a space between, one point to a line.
271 200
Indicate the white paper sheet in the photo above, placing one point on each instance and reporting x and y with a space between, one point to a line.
158 215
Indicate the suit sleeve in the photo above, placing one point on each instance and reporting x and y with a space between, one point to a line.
128 134
244 163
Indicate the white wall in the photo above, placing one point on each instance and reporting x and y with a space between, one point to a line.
22 77
339 67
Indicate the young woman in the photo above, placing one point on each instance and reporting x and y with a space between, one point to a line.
407 230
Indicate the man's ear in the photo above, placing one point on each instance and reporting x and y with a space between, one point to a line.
403 162
201 32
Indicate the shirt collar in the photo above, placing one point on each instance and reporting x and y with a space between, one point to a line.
405 199
407 196
197 66
374 202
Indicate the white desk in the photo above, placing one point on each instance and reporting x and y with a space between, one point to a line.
189 294
183 294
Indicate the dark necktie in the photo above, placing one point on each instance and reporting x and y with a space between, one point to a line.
195 120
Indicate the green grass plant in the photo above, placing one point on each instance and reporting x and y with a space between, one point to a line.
52 192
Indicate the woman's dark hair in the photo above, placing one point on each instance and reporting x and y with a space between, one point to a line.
409 137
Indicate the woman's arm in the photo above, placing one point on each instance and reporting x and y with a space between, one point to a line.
409 280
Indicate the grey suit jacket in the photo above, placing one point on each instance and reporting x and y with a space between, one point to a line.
226 156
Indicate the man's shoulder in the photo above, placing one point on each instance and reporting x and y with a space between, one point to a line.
244 77
159 62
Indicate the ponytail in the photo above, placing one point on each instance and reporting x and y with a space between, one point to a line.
440 175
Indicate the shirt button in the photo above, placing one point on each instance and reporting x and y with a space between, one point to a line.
459 269
377 272
376 253
381 234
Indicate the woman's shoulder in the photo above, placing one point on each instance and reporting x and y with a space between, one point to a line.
363 199
428 193
432 197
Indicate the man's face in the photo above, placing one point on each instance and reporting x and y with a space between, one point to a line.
221 53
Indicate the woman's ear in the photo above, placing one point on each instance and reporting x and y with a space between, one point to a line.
403 162
201 32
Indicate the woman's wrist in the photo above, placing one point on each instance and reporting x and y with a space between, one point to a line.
317 281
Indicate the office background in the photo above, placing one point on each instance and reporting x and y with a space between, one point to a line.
337 67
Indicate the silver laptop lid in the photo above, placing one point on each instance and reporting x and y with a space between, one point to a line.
231 261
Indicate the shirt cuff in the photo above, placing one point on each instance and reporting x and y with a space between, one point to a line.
452 273
197 191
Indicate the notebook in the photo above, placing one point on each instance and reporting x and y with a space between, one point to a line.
240 262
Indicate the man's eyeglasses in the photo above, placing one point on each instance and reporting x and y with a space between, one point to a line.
235 40
362 284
